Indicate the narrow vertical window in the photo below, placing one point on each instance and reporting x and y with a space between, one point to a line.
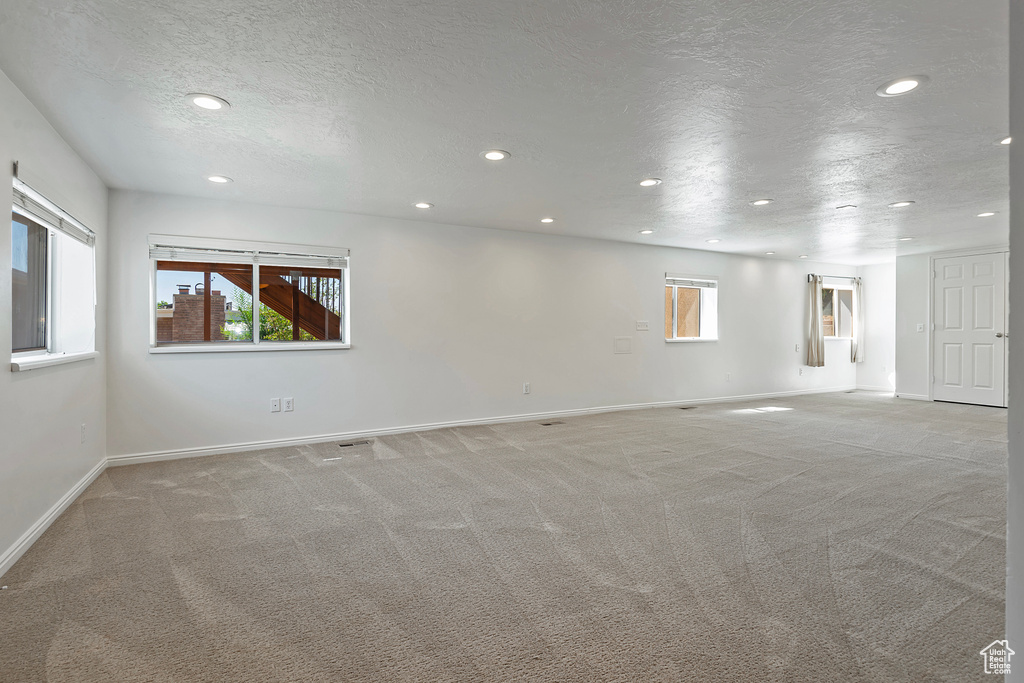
828 317
670 293
687 312
28 284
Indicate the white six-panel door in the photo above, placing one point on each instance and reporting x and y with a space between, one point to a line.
969 341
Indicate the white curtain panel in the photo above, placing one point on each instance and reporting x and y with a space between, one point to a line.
815 324
857 344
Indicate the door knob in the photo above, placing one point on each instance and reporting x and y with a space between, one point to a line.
999 335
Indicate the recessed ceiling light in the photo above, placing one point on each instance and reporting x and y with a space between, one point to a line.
986 214
221 179
803 255
761 202
1005 141
204 101
906 239
713 241
899 205
495 155
769 253
547 220
423 205
901 86
646 232
650 182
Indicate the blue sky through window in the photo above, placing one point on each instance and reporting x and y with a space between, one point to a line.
19 246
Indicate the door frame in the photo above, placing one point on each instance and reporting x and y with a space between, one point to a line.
976 251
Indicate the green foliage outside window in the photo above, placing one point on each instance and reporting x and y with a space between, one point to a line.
273 325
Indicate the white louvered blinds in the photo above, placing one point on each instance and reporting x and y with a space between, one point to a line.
34 205
680 281
170 248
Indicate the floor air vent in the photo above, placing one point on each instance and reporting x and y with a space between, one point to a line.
353 443
548 424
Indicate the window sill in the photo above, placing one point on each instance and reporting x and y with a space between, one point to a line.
838 338
248 348
689 341
25 363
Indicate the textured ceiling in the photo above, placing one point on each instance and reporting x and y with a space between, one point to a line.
367 107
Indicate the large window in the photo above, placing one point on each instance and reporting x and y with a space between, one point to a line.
691 308
53 300
204 298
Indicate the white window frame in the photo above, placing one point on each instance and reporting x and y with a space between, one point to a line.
269 253
709 300
846 287
59 226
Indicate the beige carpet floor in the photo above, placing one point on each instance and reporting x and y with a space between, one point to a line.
840 537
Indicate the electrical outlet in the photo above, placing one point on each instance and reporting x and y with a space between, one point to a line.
526 387
798 348
801 371
275 405
728 377
289 405
83 432
642 325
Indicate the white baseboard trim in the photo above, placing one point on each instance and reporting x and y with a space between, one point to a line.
176 454
14 553
883 390
914 397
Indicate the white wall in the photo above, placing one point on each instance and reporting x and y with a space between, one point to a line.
913 287
878 371
41 457
1015 497
447 324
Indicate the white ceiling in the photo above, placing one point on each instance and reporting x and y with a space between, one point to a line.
367 107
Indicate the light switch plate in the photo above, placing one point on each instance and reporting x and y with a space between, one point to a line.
642 326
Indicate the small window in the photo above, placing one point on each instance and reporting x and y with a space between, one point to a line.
837 312
205 298
691 309
53 302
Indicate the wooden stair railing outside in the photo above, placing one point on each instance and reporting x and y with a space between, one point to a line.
277 293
